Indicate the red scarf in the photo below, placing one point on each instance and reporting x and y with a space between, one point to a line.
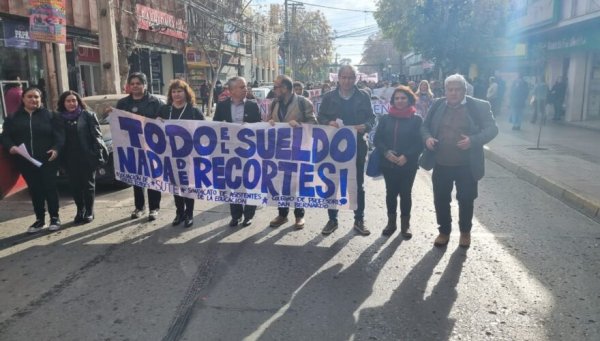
407 112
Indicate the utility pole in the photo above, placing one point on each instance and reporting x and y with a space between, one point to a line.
292 49
107 36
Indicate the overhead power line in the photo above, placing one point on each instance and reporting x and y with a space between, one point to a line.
335 8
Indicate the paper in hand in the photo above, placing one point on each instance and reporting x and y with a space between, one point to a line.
22 150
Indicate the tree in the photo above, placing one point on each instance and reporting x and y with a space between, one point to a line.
217 26
378 52
127 35
452 33
310 44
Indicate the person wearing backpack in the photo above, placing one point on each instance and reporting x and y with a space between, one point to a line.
455 131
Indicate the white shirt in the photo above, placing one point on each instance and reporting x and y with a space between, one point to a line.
237 111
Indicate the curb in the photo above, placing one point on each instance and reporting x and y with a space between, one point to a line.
587 206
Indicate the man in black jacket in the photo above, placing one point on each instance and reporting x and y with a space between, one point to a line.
352 107
142 103
238 109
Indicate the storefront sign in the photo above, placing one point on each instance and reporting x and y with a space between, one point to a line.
16 34
88 54
47 21
161 22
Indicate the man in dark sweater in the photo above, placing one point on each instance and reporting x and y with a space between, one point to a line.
142 103
352 107
454 132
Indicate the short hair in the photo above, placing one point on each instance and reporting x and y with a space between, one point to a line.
298 83
286 81
61 100
190 96
140 76
412 98
234 79
347 67
456 78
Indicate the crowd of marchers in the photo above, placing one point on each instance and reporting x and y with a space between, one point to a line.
440 132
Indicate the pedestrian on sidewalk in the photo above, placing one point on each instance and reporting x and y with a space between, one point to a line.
239 109
293 109
398 138
519 91
181 105
141 102
455 131
557 96
350 106
81 154
492 96
42 134
540 95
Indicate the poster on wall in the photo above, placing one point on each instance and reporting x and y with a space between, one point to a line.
16 34
47 21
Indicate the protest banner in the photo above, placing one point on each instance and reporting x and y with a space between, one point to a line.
309 166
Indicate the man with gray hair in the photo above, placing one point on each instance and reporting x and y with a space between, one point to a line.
352 107
455 130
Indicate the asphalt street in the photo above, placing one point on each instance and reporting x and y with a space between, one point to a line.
532 273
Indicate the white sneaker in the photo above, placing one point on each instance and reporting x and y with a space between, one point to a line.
136 213
36 227
152 215
54 224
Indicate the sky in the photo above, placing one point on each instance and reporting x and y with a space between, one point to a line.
343 22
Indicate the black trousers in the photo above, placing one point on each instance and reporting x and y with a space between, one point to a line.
153 198
238 210
298 212
184 206
399 181
444 178
41 182
82 180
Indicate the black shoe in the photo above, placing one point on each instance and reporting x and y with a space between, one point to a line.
247 222
54 224
78 218
36 227
189 221
234 222
88 219
178 219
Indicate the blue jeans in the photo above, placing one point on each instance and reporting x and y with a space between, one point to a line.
517 117
359 213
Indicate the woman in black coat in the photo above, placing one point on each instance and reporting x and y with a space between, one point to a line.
181 105
398 138
80 156
41 133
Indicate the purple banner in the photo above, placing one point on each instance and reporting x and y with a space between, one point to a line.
16 34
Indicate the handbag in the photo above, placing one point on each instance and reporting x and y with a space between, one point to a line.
427 159
373 164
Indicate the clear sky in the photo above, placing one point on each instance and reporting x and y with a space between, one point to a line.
356 23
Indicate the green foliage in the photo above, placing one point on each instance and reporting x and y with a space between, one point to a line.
453 33
311 44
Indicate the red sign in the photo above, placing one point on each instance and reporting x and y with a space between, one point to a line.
161 22
88 54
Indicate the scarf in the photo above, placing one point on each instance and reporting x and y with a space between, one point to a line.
71 115
407 112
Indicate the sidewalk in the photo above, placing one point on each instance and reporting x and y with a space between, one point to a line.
568 169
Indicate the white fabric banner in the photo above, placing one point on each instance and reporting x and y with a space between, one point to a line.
311 166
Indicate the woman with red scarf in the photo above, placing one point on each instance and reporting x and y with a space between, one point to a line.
398 138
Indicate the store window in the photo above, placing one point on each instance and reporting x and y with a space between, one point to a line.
593 103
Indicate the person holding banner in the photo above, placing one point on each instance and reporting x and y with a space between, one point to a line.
142 103
398 138
238 109
349 106
294 109
41 133
181 105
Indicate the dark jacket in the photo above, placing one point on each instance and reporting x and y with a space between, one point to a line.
482 129
190 113
147 106
361 113
402 136
40 132
88 133
251 111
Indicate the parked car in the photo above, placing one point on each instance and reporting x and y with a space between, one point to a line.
260 93
101 104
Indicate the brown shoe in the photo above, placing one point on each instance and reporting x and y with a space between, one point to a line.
278 221
465 240
441 240
299 225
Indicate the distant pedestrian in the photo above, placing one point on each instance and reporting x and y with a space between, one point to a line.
424 98
398 138
492 96
299 89
455 131
352 107
181 105
519 92
204 91
238 109
141 102
540 96
42 134
557 96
